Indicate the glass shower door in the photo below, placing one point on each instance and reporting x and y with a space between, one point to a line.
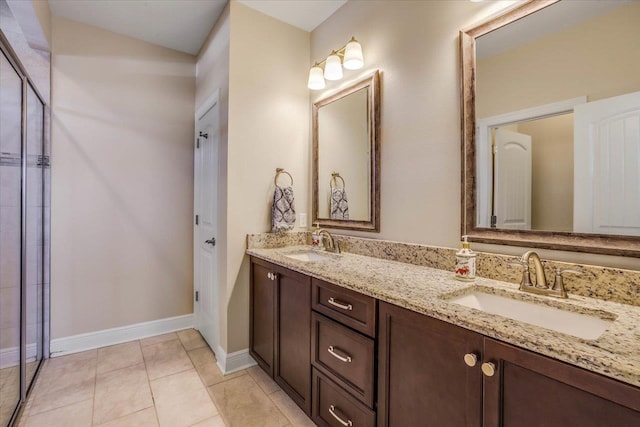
34 235
10 237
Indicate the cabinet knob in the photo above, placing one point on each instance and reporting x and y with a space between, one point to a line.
471 359
269 276
489 369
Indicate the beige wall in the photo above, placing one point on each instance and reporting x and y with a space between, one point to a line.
415 45
212 73
344 148
597 58
260 65
268 128
43 13
552 172
122 178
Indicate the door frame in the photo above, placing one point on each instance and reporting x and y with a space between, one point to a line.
209 103
483 157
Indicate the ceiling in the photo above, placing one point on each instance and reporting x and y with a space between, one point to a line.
184 25
304 14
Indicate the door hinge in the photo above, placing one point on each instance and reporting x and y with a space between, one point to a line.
197 142
197 220
197 296
494 221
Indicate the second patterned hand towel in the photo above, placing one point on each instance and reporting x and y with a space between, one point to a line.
339 204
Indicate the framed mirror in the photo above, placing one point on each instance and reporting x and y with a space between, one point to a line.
551 127
346 157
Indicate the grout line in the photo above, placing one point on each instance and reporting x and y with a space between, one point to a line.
153 398
95 385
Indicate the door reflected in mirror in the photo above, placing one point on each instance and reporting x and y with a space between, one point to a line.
346 158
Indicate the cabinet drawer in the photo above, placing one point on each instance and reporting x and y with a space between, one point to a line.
334 407
346 356
348 307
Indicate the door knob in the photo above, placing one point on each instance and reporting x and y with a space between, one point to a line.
211 241
489 369
471 359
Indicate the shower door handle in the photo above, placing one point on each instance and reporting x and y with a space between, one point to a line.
211 241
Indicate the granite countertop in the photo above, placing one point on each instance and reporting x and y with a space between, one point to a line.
616 353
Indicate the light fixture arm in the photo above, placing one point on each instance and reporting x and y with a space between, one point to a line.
340 52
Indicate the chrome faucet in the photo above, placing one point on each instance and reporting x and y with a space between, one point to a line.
333 245
541 287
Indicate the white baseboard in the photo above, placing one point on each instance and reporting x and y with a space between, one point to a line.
106 337
11 356
233 362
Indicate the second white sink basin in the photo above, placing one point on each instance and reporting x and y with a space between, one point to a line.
308 256
579 325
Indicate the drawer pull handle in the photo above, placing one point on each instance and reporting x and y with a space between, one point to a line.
340 304
332 411
334 353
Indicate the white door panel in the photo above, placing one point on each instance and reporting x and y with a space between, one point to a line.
512 180
607 166
205 231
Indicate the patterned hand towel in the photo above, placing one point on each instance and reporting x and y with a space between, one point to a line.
339 204
283 212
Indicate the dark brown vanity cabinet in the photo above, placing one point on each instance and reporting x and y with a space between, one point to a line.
280 328
528 389
319 342
422 377
432 373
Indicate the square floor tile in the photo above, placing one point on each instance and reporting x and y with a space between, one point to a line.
166 358
242 403
74 415
266 383
158 339
119 356
205 363
121 392
145 418
182 400
191 339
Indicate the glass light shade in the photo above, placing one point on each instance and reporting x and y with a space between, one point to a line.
353 56
316 79
333 67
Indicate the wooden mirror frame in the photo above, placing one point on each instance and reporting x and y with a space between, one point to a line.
576 242
371 81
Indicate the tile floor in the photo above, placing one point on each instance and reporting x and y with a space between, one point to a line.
168 380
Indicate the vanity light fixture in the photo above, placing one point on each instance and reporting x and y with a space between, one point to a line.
348 56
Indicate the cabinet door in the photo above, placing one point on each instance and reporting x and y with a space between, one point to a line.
528 389
262 301
422 376
292 370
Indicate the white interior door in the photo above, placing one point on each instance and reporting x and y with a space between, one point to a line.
607 166
512 180
205 230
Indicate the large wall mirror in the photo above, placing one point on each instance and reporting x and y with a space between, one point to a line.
346 157
551 127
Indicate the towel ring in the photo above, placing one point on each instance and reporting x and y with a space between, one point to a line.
334 176
278 172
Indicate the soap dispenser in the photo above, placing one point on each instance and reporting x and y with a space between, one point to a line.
465 262
316 238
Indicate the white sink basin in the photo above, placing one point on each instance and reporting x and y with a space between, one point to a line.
307 256
576 324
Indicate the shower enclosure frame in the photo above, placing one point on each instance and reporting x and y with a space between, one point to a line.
26 81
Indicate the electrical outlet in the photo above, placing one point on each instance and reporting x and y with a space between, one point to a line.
303 220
